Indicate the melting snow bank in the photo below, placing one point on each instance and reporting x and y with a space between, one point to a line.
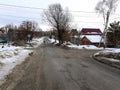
109 56
12 56
84 46
109 53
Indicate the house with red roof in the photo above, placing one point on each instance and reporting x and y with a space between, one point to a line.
91 40
91 36
91 31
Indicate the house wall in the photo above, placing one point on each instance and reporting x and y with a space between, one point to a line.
85 41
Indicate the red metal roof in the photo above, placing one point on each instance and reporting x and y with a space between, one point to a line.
91 31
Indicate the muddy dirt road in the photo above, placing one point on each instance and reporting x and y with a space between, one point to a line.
53 68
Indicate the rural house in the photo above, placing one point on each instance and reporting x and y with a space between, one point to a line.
91 36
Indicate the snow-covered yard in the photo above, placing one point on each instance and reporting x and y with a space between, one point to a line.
10 56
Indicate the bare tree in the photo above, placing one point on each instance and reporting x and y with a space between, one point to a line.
59 19
29 25
9 26
106 8
10 30
28 28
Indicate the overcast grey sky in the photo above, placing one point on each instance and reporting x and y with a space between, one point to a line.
81 19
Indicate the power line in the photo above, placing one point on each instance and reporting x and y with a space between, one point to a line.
9 5
115 18
18 16
87 22
15 10
17 6
40 18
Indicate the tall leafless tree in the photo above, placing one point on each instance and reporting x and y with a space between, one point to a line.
106 8
59 19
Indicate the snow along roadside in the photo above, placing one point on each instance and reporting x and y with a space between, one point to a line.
12 56
109 56
9 63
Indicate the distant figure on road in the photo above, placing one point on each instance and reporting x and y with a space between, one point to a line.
28 38
46 41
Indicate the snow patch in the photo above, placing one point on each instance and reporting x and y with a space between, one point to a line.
84 46
10 56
